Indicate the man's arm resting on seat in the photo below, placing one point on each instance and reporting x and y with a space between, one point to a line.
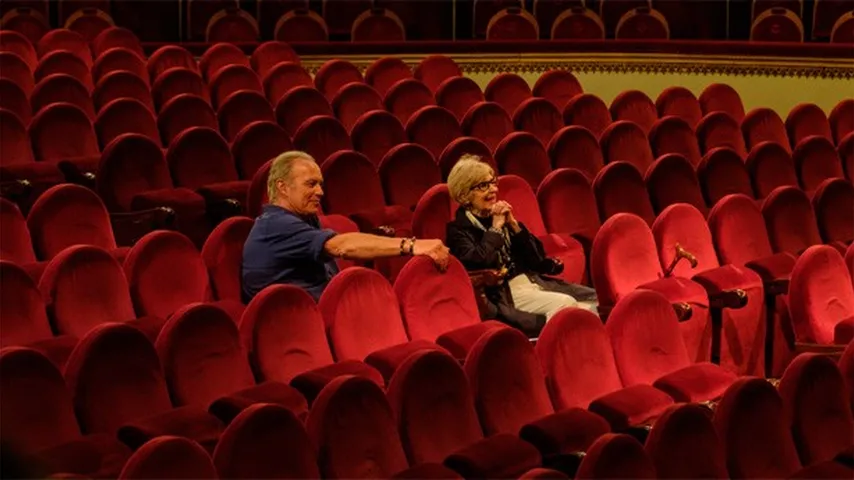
364 246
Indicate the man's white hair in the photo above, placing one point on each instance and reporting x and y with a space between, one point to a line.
281 169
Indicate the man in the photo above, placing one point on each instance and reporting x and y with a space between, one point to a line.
287 245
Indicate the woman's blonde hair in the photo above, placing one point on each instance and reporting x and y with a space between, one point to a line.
280 169
467 172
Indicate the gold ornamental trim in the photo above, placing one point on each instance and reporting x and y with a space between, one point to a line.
831 68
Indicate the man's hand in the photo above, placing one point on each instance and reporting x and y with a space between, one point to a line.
436 250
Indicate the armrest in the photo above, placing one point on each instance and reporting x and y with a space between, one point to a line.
684 311
728 299
221 209
132 226
16 189
834 351
486 278
774 271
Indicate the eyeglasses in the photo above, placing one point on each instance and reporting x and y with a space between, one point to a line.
485 186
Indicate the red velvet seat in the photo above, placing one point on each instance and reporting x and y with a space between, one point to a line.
232 25
206 366
742 348
840 122
679 102
433 212
560 245
199 159
24 318
17 70
407 96
385 72
513 23
39 419
158 285
649 349
433 128
815 400
351 420
362 318
634 106
353 188
257 143
539 117
507 90
17 244
298 105
168 457
63 62
674 135
777 25
763 124
464 146
64 39
721 172
435 69
588 111
61 88
846 152
269 54
230 79
16 154
14 42
63 120
119 389
558 87
568 205
67 215
218 56
14 99
283 332
625 258
821 298
815 161
683 443
670 180
790 220
546 11
616 455
834 210
576 356
643 23
611 11
719 129
282 77
334 74
116 37
240 109
301 25
770 167
522 154
510 396
807 119
223 256
122 84
458 95
265 441
433 404
489 122
174 82
377 25
199 13
321 137
125 115
576 147
27 22
720 97
376 132
406 172
256 197
484 10
625 141
620 188
88 21
440 306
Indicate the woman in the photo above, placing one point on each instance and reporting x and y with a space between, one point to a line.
485 235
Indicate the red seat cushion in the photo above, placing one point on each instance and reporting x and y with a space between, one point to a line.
499 456
93 456
774 267
312 382
631 406
225 190
699 382
388 359
458 342
56 349
568 431
190 422
229 406
727 277
843 332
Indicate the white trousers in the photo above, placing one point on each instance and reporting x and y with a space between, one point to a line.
530 297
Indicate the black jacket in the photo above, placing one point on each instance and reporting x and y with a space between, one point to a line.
478 250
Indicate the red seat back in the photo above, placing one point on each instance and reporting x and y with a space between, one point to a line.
634 106
199 156
625 141
674 135
739 231
576 147
130 165
721 172
170 457
522 154
406 97
686 432
624 256
620 188
507 90
770 167
406 172
820 295
22 312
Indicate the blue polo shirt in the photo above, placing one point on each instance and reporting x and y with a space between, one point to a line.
283 247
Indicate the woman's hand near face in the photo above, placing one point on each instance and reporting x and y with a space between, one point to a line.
505 209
